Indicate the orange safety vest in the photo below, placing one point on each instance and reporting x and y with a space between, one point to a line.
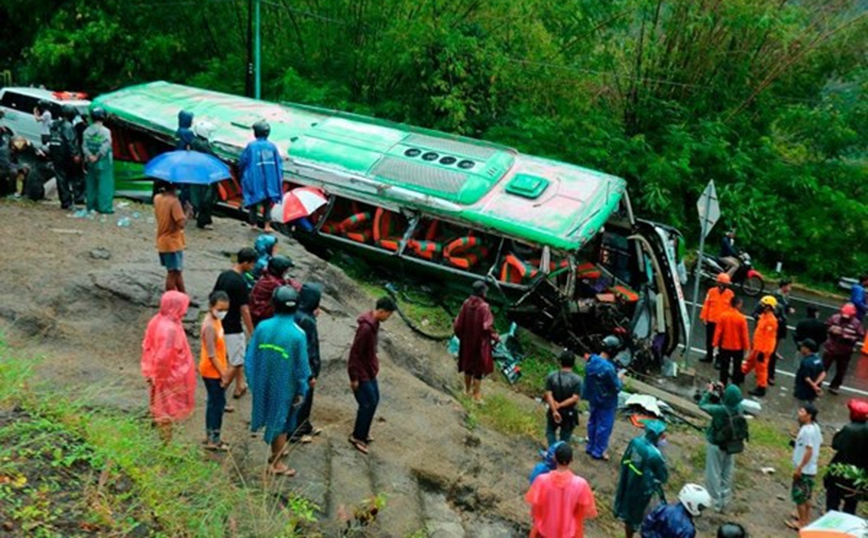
716 303
765 336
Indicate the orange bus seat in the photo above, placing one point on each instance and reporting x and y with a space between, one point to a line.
465 252
427 250
624 293
355 227
589 271
385 230
516 271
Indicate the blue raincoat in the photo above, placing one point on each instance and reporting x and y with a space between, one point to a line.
601 383
643 473
548 464
278 371
264 246
184 136
669 521
261 172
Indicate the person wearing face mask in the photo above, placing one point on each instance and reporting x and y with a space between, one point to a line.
214 369
643 473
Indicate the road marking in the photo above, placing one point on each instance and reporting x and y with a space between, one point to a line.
788 374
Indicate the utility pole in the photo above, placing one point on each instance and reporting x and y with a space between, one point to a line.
248 79
257 52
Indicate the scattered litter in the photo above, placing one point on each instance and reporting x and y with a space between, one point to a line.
80 214
639 420
768 470
781 497
124 222
136 215
123 204
100 254
66 231
751 407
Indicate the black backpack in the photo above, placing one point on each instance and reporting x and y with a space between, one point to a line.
731 437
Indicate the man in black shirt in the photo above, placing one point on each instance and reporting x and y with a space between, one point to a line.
563 388
237 319
811 327
810 375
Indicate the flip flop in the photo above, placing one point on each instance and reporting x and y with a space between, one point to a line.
792 525
369 439
360 446
240 393
228 409
222 447
288 471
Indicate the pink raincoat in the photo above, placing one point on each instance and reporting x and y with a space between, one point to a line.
167 360
559 503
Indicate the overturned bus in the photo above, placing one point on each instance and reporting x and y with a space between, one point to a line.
560 241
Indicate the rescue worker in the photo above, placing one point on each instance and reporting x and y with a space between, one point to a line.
717 301
643 473
844 331
676 520
782 310
261 176
601 387
100 181
474 328
65 155
765 338
278 372
719 463
732 339
851 448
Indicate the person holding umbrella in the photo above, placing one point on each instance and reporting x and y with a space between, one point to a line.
261 176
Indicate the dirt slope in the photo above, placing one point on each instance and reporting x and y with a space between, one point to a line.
86 315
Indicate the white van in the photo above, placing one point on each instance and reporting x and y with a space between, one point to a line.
17 105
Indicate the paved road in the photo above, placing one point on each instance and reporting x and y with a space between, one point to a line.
856 381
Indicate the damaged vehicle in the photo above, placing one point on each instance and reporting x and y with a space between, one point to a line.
559 241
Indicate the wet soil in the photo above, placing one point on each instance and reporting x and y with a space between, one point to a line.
62 299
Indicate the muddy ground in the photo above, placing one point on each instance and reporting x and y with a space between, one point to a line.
62 299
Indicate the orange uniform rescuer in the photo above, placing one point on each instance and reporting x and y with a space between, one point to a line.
717 301
765 338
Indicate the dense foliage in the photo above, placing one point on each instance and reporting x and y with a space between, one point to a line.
766 97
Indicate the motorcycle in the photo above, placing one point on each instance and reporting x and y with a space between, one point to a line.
746 277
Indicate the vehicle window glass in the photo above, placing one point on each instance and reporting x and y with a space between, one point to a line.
17 101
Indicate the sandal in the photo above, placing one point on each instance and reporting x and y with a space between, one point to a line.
360 446
240 393
282 471
219 447
228 409
793 525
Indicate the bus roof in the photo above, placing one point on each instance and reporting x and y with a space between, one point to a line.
488 185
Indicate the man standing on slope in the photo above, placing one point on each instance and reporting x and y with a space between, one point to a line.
474 328
720 460
732 339
643 473
279 371
851 446
363 367
560 501
717 301
602 384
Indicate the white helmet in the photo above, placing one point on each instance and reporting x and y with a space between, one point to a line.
204 129
695 499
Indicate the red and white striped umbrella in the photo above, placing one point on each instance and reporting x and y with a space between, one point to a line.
297 203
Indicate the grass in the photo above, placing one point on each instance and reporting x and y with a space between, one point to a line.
504 415
173 487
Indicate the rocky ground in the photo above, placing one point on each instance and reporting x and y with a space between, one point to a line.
80 291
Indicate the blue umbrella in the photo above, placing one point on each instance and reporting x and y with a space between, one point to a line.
190 167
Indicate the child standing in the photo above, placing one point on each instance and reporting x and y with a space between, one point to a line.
214 368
